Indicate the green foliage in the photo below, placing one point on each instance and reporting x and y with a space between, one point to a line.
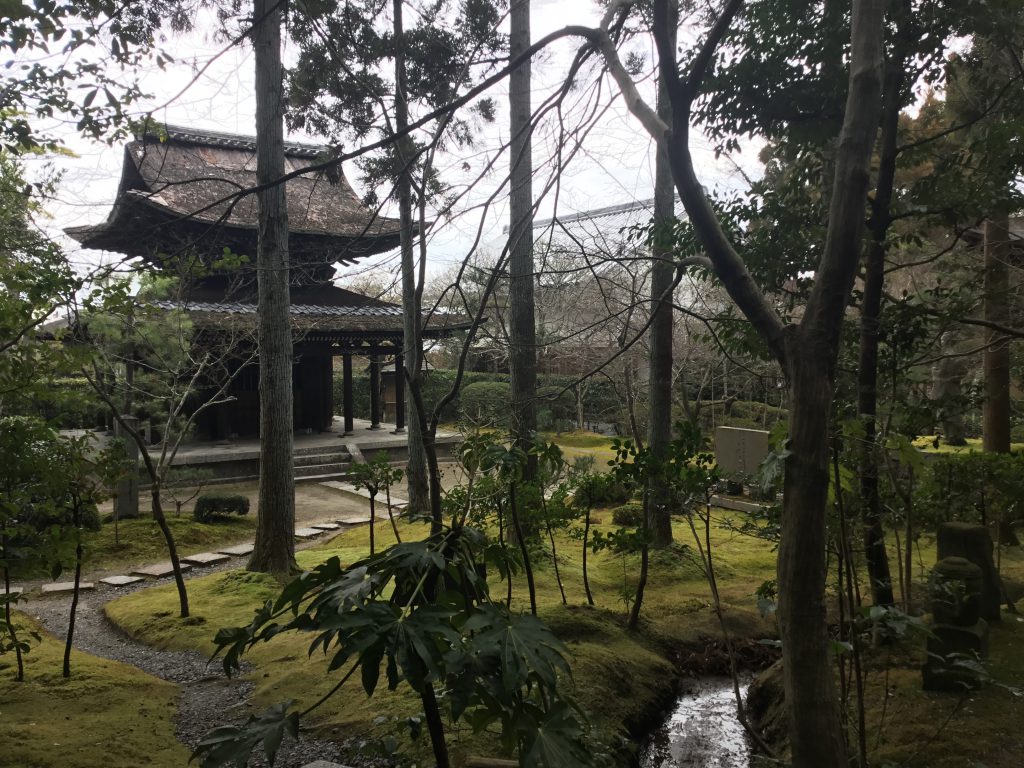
211 506
556 408
601 400
631 515
338 85
36 281
971 487
417 614
375 476
486 404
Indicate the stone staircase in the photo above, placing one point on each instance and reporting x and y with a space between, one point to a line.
321 463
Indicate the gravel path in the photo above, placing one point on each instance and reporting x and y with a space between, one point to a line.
208 698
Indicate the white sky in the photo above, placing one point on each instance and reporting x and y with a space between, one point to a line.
616 165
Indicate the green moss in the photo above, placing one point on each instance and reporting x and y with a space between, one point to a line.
926 443
106 715
619 678
139 541
921 729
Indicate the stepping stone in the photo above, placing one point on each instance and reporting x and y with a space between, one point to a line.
66 586
307 533
355 520
238 550
339 485
121 581
324 764
325 526
15 592
160 570
206 558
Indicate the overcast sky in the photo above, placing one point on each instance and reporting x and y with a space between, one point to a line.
615 165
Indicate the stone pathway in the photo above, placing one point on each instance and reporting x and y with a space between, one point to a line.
208 698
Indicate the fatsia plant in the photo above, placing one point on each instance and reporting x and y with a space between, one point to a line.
419 614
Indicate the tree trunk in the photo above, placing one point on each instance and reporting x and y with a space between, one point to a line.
172 549
586 542
947 390
7 614
996 412
523 549
870 318
416 474
522 321
275 526
76 521
659 420
816 737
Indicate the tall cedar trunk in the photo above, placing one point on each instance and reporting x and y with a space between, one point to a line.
522 321
659 421
275 526
816 734
416 476
870 317
996 412
172 549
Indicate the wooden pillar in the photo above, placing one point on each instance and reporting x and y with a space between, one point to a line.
399 393
374 392
348 407
327 402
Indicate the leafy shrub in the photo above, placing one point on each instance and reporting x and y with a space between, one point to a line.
972 487
609 491
556 408
486 403
213 505
631 514
89 517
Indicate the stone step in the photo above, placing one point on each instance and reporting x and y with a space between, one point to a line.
727 502
121 581
239 550
325 526
15 592
61 587
307 533
159 570
338 468
206 558
328 457
354 520
321 448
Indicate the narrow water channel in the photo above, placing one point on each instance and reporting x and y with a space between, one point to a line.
702 731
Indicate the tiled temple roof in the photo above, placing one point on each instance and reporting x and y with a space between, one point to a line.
182 184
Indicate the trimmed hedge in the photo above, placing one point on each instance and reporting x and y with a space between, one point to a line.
631 514
213 505
600 399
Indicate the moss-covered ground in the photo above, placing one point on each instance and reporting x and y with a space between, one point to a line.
106 715
618 677
138 541
930 444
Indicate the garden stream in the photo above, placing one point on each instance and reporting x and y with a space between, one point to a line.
702 731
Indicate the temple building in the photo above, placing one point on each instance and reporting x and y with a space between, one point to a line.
179 203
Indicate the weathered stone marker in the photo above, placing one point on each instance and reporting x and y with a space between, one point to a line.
959 634
974 543
740 451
